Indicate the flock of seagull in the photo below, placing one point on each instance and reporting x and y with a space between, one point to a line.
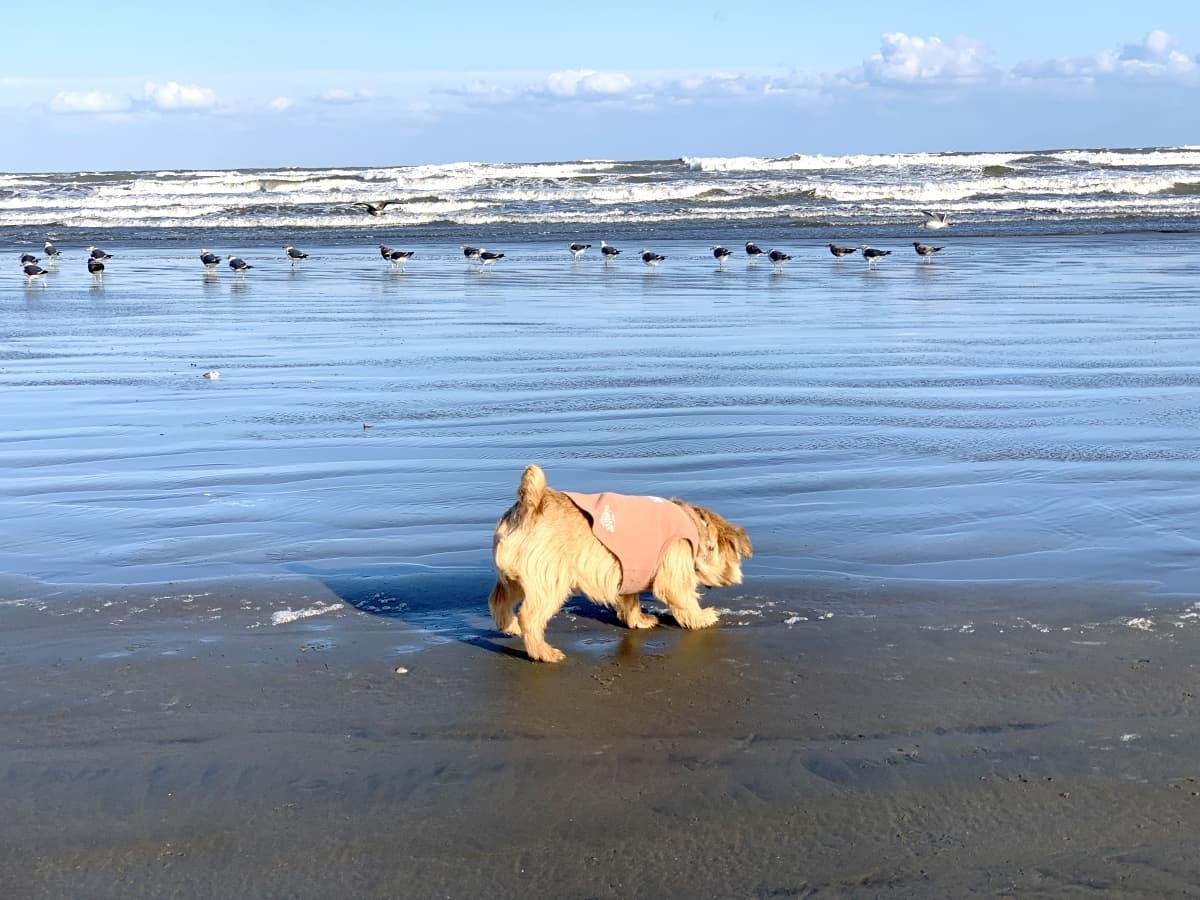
31 264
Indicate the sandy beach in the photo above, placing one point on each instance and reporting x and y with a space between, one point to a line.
206 754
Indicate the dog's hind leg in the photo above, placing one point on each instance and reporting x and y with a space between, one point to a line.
535 612
629 611
503 600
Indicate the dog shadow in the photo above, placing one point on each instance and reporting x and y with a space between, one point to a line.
452 606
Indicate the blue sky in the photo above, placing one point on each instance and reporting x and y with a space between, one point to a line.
130 85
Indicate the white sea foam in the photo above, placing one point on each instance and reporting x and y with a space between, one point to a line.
284 616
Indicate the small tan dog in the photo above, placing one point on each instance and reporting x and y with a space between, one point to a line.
551 544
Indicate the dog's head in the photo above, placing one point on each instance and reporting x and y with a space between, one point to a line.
723 545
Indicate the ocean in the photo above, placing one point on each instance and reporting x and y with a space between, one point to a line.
1017 414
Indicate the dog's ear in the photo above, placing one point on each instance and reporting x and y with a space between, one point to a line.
736 537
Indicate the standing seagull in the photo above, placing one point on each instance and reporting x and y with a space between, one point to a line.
376 209
470 252
210 259
753 250
577 249
28 259
400 257
385 251
778 257
50 250
97 253
293 254
935 221
839 252
488 258
608 252
652 259
239 265
925 251
722 254
96 267
32 271
873 256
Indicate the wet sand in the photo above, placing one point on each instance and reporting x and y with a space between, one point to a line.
194 749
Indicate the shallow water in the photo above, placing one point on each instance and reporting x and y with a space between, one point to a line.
1019 409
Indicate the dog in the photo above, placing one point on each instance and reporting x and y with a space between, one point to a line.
550 544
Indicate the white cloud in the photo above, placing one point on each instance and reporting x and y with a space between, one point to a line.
1156 56
585 82
88 102
904 59
281 104
173 96
339 97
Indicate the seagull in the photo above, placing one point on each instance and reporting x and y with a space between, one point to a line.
401 257
778 257
293 254
50 250
32 271
488 258
722 254
652 259
28 258
839 251
753 250
95 266
210 259
873 256
239 265
376 209
934 221
608 252
470 252
925 250
385 251
97 253
577 249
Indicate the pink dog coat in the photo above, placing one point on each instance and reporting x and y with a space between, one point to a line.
638 531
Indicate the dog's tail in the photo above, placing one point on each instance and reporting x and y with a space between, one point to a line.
532 491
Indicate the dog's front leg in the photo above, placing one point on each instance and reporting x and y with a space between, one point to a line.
629 611
685 606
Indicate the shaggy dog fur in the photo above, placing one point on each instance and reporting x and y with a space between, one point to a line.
544 551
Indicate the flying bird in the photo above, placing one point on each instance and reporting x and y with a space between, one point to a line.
488 258
211 260
722 254
873 256
97 253
778 257
753 250
95 266
925 251
934 221
652 259
376 209
577 249
839 251
239 265
608 252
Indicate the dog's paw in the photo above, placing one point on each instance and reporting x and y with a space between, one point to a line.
546 653
642 620
513 629
699 618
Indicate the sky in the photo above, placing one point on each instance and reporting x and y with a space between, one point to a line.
140 85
